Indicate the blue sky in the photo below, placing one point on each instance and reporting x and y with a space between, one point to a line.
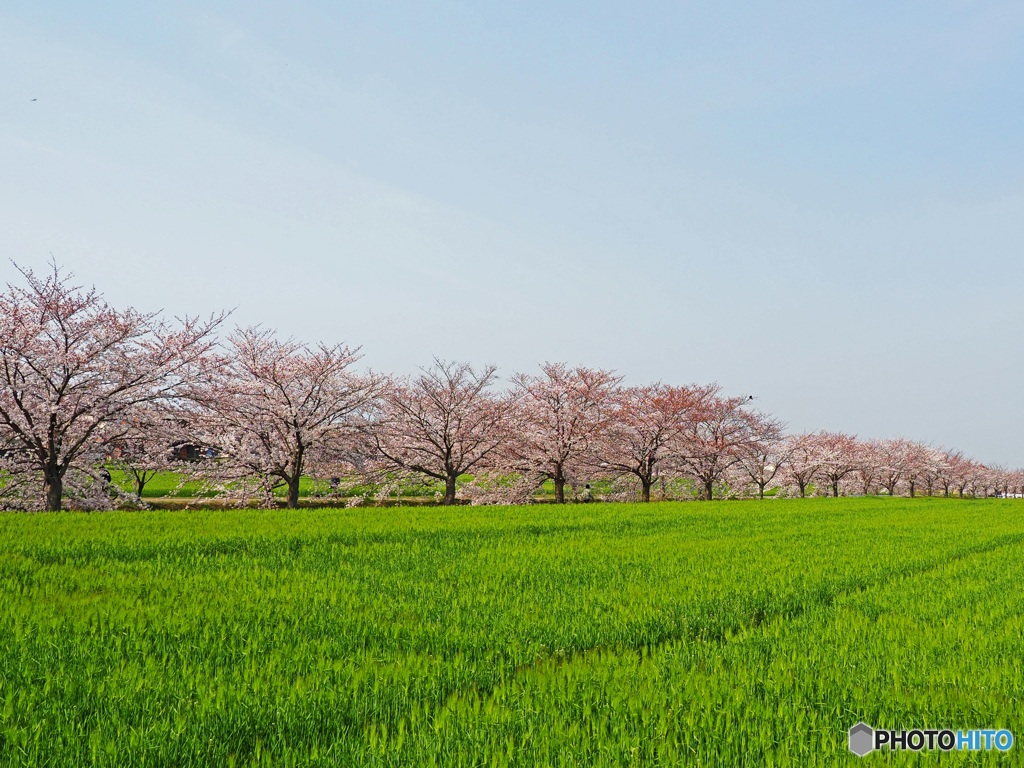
821 204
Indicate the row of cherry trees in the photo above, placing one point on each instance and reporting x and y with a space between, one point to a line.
85 387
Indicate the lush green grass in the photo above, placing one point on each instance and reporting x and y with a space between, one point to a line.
741 633
169 485
166 485
162 485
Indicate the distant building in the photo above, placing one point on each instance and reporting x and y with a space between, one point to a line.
191 452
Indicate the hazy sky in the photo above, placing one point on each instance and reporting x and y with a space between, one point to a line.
821 204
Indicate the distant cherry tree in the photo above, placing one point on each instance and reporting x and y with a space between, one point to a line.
837 456
149 445
947 470
715 438
962 470
892 463
918 466
279 410
933 465
560 418
867 471
764 453
72 371
643 425
440 425
88 390
804 461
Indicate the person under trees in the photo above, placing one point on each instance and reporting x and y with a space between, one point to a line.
72 371
560 417
278 410
440 425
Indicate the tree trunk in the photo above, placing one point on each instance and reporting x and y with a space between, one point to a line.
293 481
760 490
449 490
559 479
141 478
709 489
646 493
53 483
293 492
835 488
911 489
803 488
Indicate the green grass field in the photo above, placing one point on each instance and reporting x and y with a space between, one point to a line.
166 487
166 484
169 485
716 634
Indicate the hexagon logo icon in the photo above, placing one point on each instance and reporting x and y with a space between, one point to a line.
862 738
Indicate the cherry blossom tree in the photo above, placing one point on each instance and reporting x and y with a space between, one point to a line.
893 455
804 461
73 368
933 464
441 425
150 434
85 386
560 416
1016 483
984 480
837 457
278 410
962 472
766 451
948 470
996 480
868 460
643 424
915 464
715 437
975 479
